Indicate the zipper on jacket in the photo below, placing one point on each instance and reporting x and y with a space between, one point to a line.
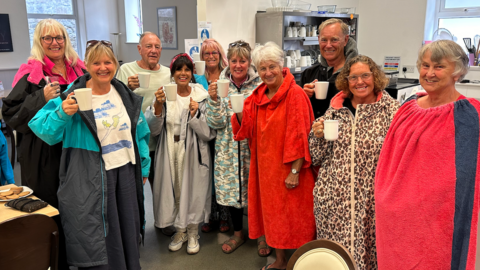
239 175
352 182
103 201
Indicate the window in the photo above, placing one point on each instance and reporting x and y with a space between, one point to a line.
133 20
460 17
63 11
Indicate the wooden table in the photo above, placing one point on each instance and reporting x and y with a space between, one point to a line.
9 213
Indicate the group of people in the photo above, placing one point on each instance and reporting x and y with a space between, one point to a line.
398 186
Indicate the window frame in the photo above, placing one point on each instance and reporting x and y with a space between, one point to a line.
453 13
73 16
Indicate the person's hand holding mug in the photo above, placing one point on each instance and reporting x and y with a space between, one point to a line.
133 82
212 90
193 107
318 128
69 105
160 99
309 88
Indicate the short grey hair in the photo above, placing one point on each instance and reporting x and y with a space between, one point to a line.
268 52
328 22
448 50
148 33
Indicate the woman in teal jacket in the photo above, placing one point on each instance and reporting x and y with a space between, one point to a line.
104 158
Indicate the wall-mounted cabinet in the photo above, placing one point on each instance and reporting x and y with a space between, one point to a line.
272 27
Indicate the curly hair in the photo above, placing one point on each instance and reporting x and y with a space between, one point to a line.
380 80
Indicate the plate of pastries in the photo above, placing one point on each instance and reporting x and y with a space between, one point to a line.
14 193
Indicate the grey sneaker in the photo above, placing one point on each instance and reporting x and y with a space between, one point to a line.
177 241
193 246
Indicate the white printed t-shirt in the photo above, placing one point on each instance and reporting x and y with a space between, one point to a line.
113 129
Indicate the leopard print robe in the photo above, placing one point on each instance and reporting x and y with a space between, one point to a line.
336 190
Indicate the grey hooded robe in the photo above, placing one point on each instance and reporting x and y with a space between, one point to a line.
194 157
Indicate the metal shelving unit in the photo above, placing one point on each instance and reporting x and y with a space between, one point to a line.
272 26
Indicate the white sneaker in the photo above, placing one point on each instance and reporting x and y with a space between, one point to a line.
193 246
177 241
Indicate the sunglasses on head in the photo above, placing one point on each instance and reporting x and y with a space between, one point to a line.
107 43
239 44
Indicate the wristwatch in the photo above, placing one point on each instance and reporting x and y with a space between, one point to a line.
294 171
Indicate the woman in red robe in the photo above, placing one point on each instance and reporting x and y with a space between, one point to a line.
276 119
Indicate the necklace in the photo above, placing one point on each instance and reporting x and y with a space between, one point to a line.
60 71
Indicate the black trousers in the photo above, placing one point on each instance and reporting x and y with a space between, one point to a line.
237 218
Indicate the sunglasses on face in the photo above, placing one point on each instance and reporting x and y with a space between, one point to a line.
49 39
107 43
239 44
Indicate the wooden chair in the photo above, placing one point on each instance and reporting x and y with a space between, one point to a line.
321 255
29 242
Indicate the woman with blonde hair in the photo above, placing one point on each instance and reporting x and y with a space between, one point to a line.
105 162
215 62
52 55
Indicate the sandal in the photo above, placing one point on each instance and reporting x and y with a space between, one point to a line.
224 226
233 246
208 227
263 246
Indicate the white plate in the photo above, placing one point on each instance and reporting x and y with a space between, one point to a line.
30 191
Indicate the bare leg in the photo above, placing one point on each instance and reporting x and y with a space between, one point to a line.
281 262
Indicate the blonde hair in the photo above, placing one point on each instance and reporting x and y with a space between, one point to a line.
214 45
242 52
328 22
98 50
50 26
448 50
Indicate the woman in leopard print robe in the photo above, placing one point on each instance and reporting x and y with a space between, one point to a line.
347 165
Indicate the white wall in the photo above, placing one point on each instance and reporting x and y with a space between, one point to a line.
393 28
17 11
235 19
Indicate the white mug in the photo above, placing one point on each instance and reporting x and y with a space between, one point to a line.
289 32
330 130
200 67
237 102
196 57
170 91
309 60
83 96
303 61
321 90
288 62
294 32
144 79
222 87
303 32
298 53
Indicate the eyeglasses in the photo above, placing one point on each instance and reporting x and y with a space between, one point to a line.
107 43
49 39
214 53
364 76
239 44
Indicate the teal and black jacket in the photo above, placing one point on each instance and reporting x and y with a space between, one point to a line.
82 191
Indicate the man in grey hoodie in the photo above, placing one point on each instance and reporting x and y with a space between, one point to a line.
336 48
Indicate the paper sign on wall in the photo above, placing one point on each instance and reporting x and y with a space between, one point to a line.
391 63
204 31
191 47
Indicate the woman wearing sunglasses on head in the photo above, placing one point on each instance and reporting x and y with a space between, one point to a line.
215 62
53 56
105 162
348 165
231 161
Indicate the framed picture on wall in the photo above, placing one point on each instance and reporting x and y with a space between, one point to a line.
167 27
5 34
